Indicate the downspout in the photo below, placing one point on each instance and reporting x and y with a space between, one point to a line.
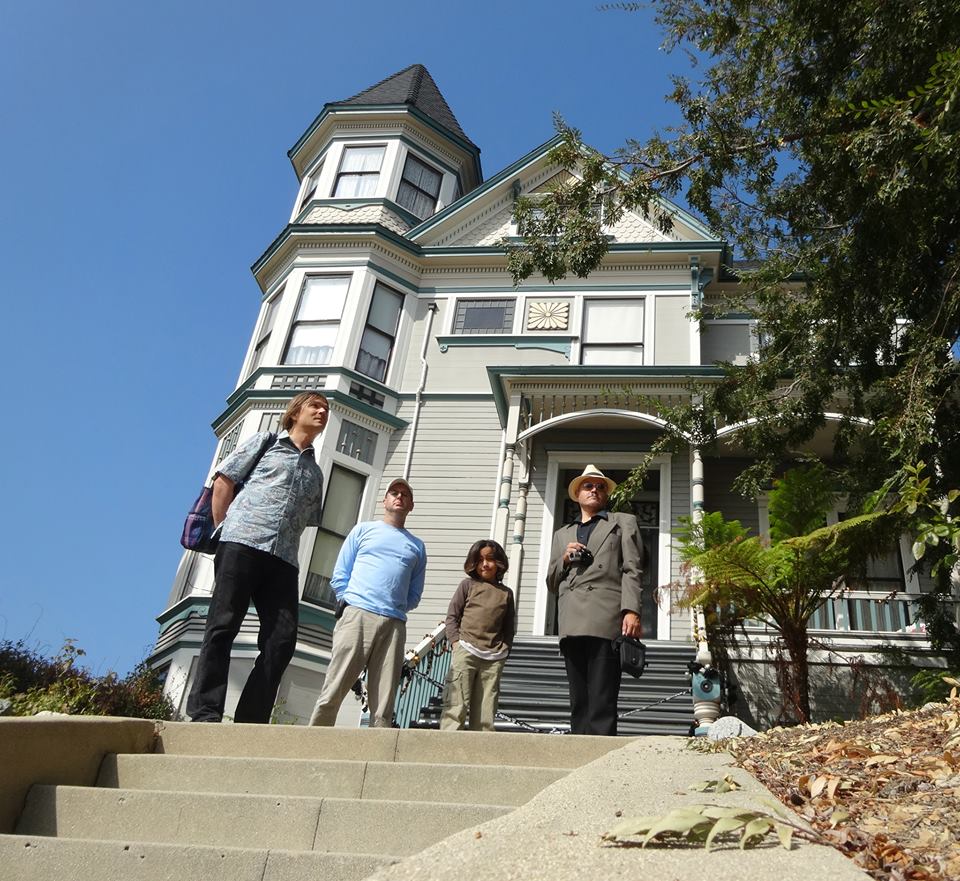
432 310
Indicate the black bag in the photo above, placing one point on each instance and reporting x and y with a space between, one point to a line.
633 655
198 532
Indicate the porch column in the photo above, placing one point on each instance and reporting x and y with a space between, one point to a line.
519 528
506 472
698 622
696 486
705 682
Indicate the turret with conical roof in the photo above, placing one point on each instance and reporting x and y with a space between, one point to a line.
414 86
393 154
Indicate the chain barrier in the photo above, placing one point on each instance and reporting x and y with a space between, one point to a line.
662 700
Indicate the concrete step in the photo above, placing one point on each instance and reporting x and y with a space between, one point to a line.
319 778
41 858
380 745
388 828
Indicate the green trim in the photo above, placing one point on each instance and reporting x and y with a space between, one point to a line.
334 395
241 392
559 344
376 385
158 658
555 290
615 248
314 229
376 267
447 396
337 108
577 371
542 343
580 371
401 212
309 613
183 608
352 266
614 448
512 169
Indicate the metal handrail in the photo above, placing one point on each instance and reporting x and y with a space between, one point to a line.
421 676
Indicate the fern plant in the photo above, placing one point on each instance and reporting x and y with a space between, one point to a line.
784 580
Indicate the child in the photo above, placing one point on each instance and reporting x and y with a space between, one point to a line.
481 623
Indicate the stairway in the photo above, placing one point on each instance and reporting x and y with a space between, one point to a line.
278 803
533 691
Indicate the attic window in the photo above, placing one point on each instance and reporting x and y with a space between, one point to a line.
419 187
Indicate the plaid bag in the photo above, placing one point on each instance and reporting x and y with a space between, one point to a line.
198 532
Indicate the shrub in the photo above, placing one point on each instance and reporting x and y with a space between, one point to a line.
933 685
34 683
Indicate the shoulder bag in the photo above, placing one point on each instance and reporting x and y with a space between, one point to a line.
198 530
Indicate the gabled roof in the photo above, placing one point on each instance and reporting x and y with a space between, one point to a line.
414 86
506 178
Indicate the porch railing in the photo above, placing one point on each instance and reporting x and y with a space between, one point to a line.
424 671
863 611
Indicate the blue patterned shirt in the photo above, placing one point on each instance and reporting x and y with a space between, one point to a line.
282 496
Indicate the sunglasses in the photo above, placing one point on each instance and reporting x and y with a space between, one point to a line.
589 485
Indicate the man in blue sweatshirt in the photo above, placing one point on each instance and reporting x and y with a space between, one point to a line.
379 576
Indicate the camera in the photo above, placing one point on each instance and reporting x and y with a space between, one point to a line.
583 557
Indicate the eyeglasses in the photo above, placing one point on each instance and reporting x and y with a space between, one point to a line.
589 485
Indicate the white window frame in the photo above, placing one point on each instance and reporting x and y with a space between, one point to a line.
416 157
267 324
341 173
614 296
376 330
311 183
317 531
294 323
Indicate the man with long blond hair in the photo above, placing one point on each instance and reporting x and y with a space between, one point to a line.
256 559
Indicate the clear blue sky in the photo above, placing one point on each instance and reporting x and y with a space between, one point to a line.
144 170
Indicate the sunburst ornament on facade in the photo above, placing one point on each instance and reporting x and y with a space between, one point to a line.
548 316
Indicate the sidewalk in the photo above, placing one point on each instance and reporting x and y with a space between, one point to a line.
556 835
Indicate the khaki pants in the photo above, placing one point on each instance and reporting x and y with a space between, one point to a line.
363 639
472 688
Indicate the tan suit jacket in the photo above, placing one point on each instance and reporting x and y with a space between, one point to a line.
591 598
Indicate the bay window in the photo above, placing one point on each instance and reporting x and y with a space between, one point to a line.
341 507
419 187
379 333
359 172
313 335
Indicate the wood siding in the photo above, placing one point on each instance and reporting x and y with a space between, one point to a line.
454 478
718 494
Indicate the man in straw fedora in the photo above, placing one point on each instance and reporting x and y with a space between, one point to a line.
595 569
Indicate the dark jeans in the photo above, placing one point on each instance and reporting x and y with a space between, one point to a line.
244 574
593 674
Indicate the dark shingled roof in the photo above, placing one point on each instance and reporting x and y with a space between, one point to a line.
414 86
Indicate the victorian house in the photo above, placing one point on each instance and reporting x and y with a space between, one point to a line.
387 289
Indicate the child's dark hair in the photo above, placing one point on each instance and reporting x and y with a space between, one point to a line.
473 557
